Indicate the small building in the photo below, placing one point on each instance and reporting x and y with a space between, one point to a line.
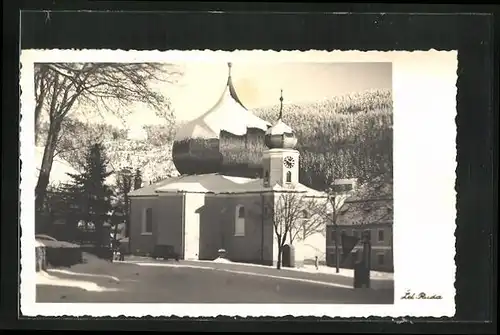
234 169
357 216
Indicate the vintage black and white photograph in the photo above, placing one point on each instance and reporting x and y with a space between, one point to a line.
229 180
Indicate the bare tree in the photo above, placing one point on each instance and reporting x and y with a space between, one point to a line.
61 88
337 193
309 221
75 137
368 203
330 211
287 212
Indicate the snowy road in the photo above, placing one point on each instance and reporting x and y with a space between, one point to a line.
185 283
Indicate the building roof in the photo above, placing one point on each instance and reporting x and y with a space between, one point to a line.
217 184
371 204
228 114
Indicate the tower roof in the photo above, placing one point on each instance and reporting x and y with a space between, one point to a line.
228 114
280 135
279 128
230 86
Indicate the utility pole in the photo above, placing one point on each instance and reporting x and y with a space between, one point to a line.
337 240
337 235
128 180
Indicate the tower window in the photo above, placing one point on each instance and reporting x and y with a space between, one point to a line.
239 222
288 176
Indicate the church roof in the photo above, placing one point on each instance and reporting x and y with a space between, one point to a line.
148 190
371 203
228 114
217 184
280 135
280 128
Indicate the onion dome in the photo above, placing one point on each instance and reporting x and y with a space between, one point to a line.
227 139
280 136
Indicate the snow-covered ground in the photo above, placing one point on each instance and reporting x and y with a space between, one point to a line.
222 260
87 276
48 278
312 269
98 275
342 272
149 281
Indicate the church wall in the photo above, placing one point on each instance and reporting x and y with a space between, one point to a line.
218 229
141 244
314 245
211 237
167 223
275 170
193 204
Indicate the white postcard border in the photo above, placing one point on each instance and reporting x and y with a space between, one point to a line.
424 92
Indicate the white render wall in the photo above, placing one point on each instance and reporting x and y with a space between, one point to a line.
312 246
192 203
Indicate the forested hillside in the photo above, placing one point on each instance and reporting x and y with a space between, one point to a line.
344 137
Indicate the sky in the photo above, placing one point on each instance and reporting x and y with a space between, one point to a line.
259 84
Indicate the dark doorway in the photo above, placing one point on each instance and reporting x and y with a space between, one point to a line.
288 257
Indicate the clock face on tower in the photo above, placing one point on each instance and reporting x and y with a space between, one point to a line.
289 162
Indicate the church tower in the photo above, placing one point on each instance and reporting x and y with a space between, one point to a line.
280 162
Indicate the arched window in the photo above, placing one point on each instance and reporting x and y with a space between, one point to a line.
288 176
239 221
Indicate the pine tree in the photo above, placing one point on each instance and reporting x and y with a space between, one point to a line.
89 191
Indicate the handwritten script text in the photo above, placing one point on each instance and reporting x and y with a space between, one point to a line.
422 295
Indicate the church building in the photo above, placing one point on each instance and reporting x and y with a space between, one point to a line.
233 166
